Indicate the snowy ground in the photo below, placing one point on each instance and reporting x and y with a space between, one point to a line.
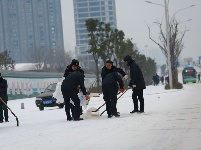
172 120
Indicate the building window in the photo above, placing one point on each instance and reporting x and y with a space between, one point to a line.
94 9
82 4
102 3
83 15
111 13
110 7
82 10
94 14
94 3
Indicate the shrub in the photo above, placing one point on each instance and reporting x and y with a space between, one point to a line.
177 85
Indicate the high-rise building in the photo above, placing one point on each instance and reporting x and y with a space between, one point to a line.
104 11
30 27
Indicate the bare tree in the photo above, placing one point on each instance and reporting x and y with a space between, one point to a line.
62 59
40 57
176 43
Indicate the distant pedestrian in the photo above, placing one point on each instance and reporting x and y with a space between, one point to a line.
136 83
4 97
162 80
198 78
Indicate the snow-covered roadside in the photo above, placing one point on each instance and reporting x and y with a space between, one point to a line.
171 121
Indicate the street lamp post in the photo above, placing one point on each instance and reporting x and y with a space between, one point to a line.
168 43
167 38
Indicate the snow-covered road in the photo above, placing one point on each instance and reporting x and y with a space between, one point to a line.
171 120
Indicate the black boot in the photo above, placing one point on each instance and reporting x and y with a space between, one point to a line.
134 111
69 118
116 114
78 119
109 116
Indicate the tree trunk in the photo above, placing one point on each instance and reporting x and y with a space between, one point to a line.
174 76
97 75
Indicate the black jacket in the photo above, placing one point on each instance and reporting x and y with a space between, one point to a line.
3 89
69 70
135 74
112 78
71 82
106 71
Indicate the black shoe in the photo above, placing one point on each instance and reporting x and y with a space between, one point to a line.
134 111
6 121
116 114
141 111
109 116
78 119
69 118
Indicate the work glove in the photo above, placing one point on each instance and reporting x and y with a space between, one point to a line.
125 77
87 97
133 86
122 90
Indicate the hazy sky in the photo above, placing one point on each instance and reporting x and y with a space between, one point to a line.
133 15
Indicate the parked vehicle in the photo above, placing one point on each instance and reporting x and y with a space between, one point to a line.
46 99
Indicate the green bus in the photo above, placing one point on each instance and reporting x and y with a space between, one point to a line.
189 75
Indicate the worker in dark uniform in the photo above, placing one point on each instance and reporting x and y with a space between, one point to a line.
69 90
4 97
110 85
137 84
74 66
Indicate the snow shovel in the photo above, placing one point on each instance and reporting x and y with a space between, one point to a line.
10 111
102 105
117 99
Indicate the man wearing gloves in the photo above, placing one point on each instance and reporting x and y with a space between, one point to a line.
110 89
136 83
69 88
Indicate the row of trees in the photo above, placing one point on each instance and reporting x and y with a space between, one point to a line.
107 43
43 60
51 61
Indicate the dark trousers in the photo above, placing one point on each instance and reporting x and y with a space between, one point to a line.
138 94
110 97
3 110
75 109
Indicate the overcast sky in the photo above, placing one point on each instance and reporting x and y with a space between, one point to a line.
132 17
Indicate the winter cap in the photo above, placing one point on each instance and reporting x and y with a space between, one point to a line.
109 61
75 62
128 59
